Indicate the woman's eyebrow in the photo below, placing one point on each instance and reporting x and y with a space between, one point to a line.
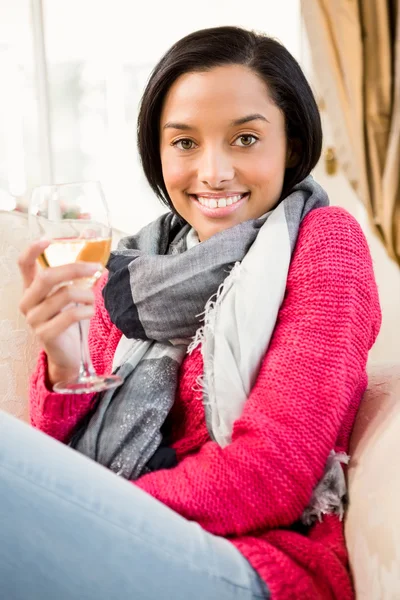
172 125
235 123
247 119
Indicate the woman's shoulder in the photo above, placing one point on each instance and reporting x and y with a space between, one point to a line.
332 261
331 217
331 249
330 231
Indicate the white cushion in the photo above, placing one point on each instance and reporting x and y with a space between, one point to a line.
18 349
373 518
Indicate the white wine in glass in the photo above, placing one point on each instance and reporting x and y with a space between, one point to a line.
74 218
63 251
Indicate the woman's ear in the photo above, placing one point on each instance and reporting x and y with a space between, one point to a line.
293 153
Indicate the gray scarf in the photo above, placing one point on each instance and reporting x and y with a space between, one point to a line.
156 292
159 286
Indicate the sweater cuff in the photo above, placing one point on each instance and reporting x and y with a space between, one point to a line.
51 405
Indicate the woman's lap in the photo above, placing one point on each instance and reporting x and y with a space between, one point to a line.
71 529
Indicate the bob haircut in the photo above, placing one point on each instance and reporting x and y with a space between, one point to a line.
219 46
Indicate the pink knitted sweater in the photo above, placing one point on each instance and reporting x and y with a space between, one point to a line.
303 404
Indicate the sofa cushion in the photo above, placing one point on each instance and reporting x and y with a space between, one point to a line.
18 349
373 518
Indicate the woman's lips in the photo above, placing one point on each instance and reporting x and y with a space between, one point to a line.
220 211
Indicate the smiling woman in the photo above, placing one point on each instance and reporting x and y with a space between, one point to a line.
240 323
226 161
219 121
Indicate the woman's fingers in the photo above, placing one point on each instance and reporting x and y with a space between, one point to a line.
47 279
55 303
54 300
48 331
27 261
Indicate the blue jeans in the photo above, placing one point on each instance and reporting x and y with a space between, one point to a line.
70 529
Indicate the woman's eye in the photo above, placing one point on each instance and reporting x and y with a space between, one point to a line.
246 140
184 144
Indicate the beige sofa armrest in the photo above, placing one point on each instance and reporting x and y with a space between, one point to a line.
373 520
18 349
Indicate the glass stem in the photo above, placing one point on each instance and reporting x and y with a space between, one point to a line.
86 368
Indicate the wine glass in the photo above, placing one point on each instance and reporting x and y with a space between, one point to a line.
74 216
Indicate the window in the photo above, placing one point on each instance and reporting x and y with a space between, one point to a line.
19 134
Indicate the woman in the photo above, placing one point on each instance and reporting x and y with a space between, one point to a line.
236 488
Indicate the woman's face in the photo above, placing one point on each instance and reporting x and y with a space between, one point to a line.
223 148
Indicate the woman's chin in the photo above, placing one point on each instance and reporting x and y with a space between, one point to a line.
206 232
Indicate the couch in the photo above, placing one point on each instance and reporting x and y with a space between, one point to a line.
372 523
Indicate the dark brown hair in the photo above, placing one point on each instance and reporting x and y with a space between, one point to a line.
208 48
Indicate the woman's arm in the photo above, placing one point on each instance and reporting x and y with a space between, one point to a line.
57 414
311 376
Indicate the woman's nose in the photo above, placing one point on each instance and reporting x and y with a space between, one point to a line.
215 168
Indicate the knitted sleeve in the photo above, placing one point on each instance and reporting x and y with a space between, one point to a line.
57 414
311 377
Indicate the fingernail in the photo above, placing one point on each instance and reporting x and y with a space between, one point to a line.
94 267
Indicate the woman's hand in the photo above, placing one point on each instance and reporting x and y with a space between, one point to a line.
52 311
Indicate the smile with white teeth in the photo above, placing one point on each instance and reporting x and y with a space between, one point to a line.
219 202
